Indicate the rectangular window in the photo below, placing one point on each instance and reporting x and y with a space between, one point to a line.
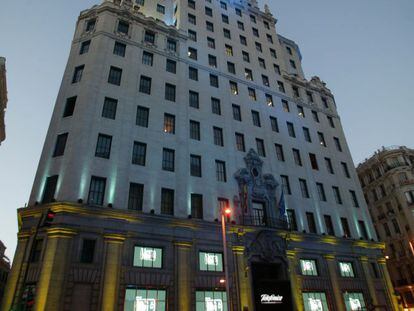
170 92
97 190
109 108
315 301
136 196
223 5
311 222
142 116
168 156
211 43
309 95
296 157
210 262
306 134
253 19
215 106
211 300
145 85
322 141
236 112
308 267
147 58
226 33
115 75
143 299
208 11
193 73
224 18
229 50
338 144
171 45
171 66
221 171
329 166
354 301
238 12
119 49
252 94
285 184
214 81
313 161
147 257
169 123
77 75
255 32
234 89
191 4
292 63
329 225
325 102
315 116
139 152
195 165
258 47
212 61
196 206
103 146
36 250
354 198
210 26
60 145
363 229
90 25
160 9
304 188
69 107
321 191
123 27
274 124
260 147
277 69
240 25
246 57
167 201
50 189
149 37
231 68
218 136
291 129
192 35
194 130
285 105
240 142
279 152
256 118
346 269
331 121
273 53
345 227
192 19
194 99
337 194
291 217
85 47
88 251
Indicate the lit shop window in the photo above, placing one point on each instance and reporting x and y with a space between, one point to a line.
354 301
346 269
308 267
211 301
315 302
211 261
147 257
145 300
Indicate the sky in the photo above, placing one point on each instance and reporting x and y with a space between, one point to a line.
362 49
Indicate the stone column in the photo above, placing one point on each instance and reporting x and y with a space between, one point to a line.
241 278
111 271
388 284
52 276
183 275
294 280
368 277
333 275
14 286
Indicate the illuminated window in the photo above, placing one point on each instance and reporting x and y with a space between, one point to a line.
211 301
354 301
147 257
234 88
346 269
308 267
169 123
315 301
211 261
229 50
145 299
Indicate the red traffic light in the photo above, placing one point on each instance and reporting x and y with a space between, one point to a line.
49 217
227 211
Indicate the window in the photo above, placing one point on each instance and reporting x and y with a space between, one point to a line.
60 145
354 301
208 11
160 9
192 35
191 4
246 57
221 171
192 53
345 169
262 63
248 74
69 107
265 80
103 146
211 262
277 69
285 184
142 116
274 124
85 47
238 12
215 106
170 92
97 190
223 5
345 227
296 157
136 194
210 26
269 38
266 24
329 225
306 134
311 222
123 27
193 73
291 129
168 156
291 217
236 112
147 257
193 99
167 201
321 191
77 75
210 300
279 152
171 66
36 250
171 45
295 90
325 102
337 194
195 165
149 37
109 108
304 188
88 251
273 53
409 197
301 111
281 86
212 61
214 80
115 75
231 68
313 161
229 50
346 269
337 144
218 136
119 49
145 85
240 25
252 94
143 298
308 267
234 88
322 141
285 105
255 32
310 97
258 47
169 123
315 116
50 189
196 206
329 166
260 147
331 121
211 43
256 118
226 33
315 301
139 152
224 18
363 229
240 142
194 130
90 25
253 19
192 19
292 64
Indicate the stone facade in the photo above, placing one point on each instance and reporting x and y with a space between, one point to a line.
3 98
4 269
387 179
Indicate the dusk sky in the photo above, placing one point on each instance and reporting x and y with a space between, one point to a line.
363 50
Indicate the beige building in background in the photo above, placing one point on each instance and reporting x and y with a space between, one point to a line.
4 269
387 179
3 98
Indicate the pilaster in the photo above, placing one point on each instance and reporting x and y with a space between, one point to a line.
183 262
294 280
242 280
368 277
333 275
388 284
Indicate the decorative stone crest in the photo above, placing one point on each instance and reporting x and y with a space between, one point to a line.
265 246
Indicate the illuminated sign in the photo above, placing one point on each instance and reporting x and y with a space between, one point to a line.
271 299
211 262
308 267
214 304
315 304
346 269
355 304
145 304
210 259
148 254
148 257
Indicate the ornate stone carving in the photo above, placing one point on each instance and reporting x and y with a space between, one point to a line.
265 246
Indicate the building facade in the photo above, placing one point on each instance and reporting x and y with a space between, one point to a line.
4 269
387 179
3 98
168 112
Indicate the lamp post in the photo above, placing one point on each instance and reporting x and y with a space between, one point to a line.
225 212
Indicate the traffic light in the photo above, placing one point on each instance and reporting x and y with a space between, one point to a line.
49 217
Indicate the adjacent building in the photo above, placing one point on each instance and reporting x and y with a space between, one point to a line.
3 98
4 269
387 179
169 112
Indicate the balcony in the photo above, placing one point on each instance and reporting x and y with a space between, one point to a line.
261 221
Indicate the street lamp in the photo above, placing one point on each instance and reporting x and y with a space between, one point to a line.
225 212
